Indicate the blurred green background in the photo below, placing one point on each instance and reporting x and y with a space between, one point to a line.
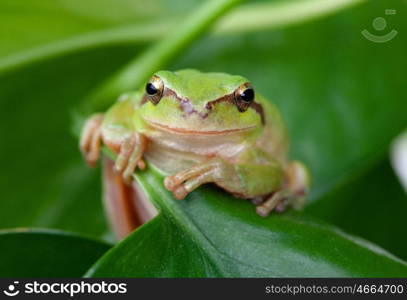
343 98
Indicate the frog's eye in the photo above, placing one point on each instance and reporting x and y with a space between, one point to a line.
244 97
154 89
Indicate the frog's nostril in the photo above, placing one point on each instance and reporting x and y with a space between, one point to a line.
187 107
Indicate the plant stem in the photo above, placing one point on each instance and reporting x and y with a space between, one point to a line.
137 71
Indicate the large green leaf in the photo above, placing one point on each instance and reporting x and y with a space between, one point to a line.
373 206
211 234
45 253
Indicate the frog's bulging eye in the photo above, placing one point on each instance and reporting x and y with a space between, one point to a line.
154 89
244 97
247 95
151 89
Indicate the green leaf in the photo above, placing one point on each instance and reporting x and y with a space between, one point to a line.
46 253
372 206
211 234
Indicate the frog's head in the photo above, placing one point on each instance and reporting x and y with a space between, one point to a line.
189 101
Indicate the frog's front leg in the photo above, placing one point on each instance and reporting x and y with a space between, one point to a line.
214 170
91 138
128 145
252 176
249 176
130 155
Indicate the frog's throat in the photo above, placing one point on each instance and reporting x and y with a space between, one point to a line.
187 107
197 132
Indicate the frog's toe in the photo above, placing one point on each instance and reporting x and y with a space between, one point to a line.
141 164
170 183
264 210
276 202
92 158
130 157
180 192
128 176
91 139
129 170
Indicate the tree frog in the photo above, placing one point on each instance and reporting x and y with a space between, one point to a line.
197 128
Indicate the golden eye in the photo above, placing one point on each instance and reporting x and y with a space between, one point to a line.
244 97
154 89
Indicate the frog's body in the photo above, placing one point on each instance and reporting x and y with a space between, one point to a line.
199 128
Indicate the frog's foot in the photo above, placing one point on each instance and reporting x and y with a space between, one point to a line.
130 156
214 170
91 139
292 195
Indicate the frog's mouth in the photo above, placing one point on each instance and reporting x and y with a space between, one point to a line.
197 132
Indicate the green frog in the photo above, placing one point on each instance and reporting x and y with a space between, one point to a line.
199 128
